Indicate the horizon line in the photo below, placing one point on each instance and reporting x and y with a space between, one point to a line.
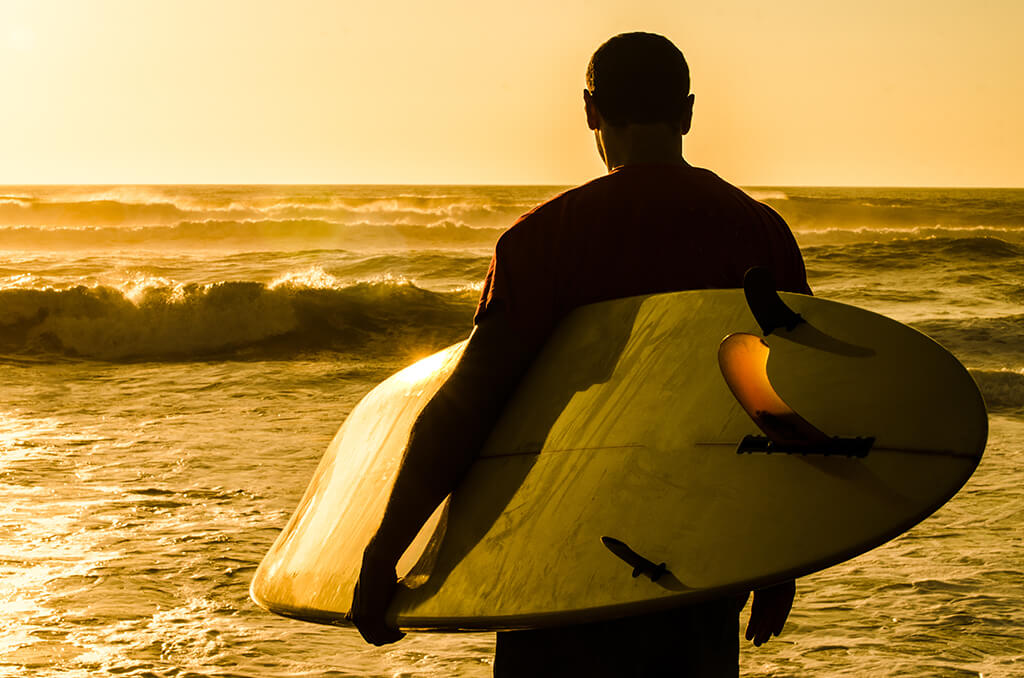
488 185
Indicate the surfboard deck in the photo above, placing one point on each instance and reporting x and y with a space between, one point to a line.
633 425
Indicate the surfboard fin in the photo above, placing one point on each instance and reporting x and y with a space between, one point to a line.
640 565
764 302
743 359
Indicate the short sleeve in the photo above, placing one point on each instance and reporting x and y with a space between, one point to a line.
790 274
520 281
488 300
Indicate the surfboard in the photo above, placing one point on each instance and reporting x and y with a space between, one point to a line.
661 450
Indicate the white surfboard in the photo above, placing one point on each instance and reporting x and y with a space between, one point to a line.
661 450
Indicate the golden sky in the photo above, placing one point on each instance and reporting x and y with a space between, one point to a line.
823 92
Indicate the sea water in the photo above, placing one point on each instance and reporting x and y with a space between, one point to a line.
175 359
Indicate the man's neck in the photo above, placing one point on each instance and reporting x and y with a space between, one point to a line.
640 145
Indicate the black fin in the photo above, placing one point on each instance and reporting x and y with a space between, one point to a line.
769 310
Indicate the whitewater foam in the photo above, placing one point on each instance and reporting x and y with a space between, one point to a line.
314 278
766 194
309 311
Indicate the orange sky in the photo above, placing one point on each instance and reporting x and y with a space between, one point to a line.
874 92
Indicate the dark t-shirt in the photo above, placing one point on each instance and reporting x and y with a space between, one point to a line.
640 229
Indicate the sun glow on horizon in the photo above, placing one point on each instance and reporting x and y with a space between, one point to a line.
321 92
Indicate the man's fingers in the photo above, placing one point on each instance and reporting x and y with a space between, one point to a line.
373 593
757 631
373 630
378 634
762 632
769 612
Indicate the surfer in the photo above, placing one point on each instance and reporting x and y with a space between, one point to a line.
652 224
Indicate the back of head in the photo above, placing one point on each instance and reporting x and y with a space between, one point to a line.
639 78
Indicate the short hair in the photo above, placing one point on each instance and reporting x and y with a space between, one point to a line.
639 78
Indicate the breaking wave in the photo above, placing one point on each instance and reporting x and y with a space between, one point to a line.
233 319
766 194
1003 389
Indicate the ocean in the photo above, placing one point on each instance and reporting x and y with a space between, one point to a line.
175 359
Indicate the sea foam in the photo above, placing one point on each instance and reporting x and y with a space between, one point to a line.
244 319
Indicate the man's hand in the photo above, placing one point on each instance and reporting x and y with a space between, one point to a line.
769 611
374 590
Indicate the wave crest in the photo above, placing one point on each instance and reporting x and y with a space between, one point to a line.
241 319
952 249
1003 389
252 234
136 206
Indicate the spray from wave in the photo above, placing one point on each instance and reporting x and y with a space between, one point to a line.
766 194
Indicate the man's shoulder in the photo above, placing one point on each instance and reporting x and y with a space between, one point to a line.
719 188
549 213
721 192
560 201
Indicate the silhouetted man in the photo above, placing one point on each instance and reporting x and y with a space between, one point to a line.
652 224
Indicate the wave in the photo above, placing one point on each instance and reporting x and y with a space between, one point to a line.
31 212
99 213
818 216
970 248
251 234
991 342
126 206
847 236
233 319
852 208
766 194
1003 389
975 275
430 267
311 312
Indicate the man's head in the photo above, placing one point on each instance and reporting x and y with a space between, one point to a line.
640 78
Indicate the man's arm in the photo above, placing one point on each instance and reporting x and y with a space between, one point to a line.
445 440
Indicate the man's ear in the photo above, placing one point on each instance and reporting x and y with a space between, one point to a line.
687 119
593 116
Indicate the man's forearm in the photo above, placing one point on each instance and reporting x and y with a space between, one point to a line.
449 433
443 444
